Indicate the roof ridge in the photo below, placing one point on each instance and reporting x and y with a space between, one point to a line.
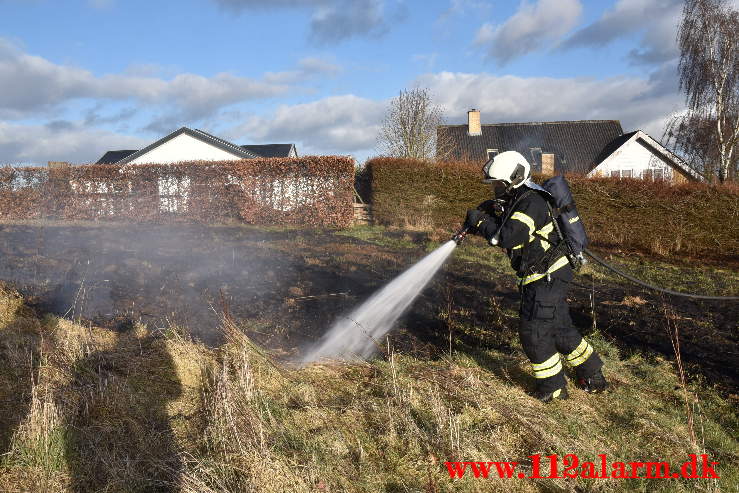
534 123
264 145
218 139
199 134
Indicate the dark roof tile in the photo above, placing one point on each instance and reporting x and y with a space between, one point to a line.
270 150
575 144
111 157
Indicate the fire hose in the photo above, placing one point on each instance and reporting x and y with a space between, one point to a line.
460 236
653 287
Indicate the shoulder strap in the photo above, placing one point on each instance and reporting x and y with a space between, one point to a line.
552 213
496 237
571 257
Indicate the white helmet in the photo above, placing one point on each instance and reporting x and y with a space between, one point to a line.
509 167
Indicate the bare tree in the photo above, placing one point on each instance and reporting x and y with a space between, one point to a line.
409 128
695 138
708 133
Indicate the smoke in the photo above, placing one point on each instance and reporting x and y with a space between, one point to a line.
282 287
115 275
357 334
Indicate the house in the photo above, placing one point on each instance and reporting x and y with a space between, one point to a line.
187 144
637 155
585 147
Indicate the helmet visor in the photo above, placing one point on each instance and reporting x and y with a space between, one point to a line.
486 171
500 187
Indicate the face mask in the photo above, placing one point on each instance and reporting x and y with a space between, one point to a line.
500 189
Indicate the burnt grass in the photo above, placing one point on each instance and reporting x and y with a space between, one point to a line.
285 287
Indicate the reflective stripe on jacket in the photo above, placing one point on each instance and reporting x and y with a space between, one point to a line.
528 234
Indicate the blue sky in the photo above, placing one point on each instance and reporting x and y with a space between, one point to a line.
79 77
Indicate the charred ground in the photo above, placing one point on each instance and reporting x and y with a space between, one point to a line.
286 287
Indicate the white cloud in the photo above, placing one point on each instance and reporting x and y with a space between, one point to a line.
532 27
638 103
655 20
336 124
308 67
333 20
59 141
195 93
350 124
317 65
31 84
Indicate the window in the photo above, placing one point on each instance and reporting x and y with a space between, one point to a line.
654 174
492 153
626 173
174 192
615 174
535 159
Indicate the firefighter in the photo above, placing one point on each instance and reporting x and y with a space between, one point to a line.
546 332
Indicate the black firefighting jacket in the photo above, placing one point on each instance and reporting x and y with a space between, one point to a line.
527 236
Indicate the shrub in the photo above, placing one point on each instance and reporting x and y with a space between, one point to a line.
406 191
312 190
693 219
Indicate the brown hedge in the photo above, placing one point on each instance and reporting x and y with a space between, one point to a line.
311 190
691 219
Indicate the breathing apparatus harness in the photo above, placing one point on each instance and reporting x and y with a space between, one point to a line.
571 237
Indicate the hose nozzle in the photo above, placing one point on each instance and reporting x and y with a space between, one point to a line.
460 235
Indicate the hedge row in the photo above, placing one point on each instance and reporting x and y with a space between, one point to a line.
691 219
412 193
311 190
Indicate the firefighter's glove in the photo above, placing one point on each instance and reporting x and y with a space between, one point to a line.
491 207
475 220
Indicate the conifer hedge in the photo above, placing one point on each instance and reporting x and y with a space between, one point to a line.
692 219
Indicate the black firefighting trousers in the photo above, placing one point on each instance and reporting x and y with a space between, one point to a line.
546 330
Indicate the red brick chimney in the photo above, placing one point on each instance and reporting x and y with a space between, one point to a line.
547 164
473 123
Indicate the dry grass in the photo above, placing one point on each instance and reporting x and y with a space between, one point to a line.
140 412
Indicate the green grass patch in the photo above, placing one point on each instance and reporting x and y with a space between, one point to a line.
381 236
695 278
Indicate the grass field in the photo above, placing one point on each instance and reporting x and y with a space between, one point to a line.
87 408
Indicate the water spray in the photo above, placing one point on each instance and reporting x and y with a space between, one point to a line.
356 335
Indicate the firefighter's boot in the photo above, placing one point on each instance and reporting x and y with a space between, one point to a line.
548 396
593 384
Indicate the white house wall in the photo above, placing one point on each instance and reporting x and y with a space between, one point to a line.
634 157
184 148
